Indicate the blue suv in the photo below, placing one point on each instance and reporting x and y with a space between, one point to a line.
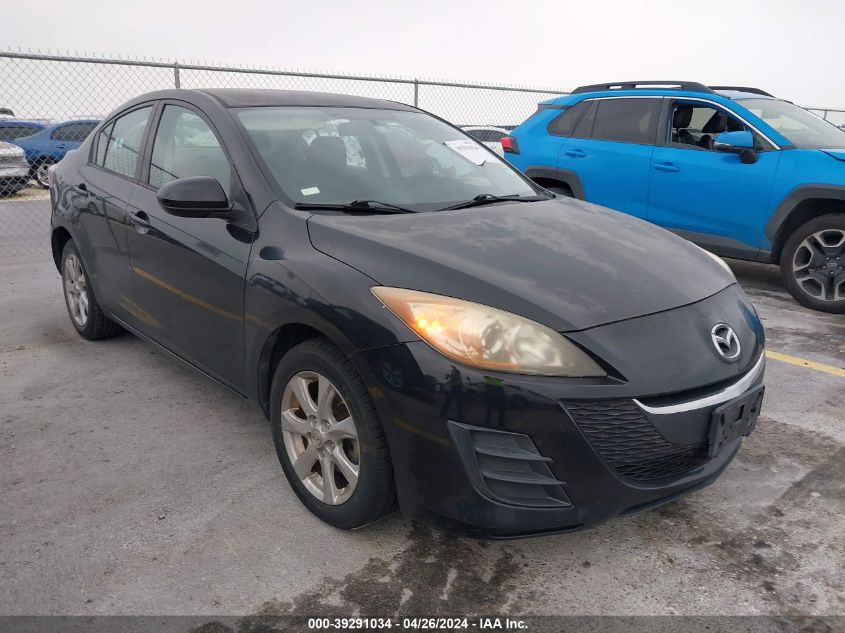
50 145
733 169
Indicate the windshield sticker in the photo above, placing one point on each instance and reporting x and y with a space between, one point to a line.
472 151
310 191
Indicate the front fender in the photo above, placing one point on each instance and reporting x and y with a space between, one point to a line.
295 284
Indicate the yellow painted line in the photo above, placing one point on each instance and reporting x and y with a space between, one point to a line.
801 362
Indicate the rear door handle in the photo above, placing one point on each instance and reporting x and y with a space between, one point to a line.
576 153
81 188
666 167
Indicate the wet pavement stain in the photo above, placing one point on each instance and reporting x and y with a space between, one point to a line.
771 553
438 574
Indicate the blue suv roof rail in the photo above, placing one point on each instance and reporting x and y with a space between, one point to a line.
754 91
691 86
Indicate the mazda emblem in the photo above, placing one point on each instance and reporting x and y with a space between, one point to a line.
726 342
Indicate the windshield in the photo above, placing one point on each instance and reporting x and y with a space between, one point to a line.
801 128
338 155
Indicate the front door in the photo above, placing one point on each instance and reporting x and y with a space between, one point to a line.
188 273
709 196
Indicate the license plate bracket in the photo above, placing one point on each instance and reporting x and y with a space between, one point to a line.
734 419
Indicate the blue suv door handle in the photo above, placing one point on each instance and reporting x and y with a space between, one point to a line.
576 153
666 167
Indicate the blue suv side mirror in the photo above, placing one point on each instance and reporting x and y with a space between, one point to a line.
741 142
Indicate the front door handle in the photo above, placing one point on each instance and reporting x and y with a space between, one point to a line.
576 153
666 167
140 220
81 189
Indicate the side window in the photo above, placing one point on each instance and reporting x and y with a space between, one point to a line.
563 124
102 144
627 120
584 129
73 132
14 132
124 145
696 126
185 146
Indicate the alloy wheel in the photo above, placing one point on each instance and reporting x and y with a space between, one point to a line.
42 174
76 290
818 265
320 437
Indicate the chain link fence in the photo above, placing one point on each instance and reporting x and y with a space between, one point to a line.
50 103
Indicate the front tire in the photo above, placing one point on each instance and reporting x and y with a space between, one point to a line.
328 437
85 313
812 263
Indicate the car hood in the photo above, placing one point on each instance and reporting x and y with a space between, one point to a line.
567 264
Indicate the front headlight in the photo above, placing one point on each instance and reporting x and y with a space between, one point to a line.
485 337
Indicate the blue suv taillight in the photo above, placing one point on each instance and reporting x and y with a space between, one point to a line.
509 145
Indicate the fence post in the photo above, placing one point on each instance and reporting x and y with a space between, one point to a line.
416 93
176 74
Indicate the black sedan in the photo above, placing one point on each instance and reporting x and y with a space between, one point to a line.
417 320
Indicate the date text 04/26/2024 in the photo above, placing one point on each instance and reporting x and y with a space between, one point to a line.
417 624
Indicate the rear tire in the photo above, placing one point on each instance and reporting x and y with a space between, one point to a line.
85 313
342 437
812 263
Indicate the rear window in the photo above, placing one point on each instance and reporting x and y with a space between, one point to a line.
627 120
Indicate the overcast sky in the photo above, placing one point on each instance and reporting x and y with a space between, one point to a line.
790 48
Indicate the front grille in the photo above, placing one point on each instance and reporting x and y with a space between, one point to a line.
629 443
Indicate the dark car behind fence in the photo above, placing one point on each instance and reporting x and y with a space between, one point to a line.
56 89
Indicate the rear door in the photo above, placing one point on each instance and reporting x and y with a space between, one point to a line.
101 194
189 273
708 196
610 151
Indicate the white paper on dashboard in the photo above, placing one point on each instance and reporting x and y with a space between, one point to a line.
472 151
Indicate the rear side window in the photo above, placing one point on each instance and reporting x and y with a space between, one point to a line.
102 144
565 122
124 145
627 120
13 132
73 132
584 129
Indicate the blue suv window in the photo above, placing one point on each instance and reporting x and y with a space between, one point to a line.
584 129
563 124
627 120
695 126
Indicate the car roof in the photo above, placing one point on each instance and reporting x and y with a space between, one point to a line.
254 97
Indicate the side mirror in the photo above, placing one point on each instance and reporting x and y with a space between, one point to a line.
194 197
741 142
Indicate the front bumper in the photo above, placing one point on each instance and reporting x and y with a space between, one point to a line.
507 455
14 171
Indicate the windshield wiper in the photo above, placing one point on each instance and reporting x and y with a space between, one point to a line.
488 198
372 206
